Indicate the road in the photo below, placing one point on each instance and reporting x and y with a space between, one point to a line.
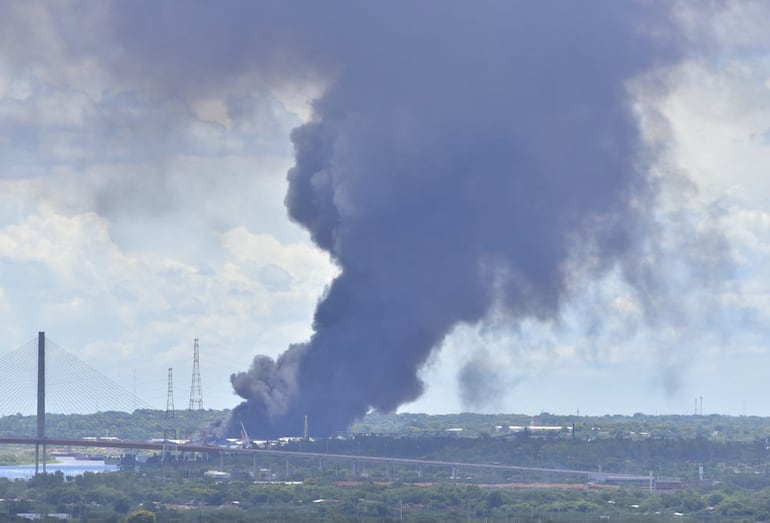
190 447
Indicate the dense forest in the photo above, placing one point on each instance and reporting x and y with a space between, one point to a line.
139 425
177 491
720 464
113 497
145 424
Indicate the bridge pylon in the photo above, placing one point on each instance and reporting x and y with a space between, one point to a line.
40 401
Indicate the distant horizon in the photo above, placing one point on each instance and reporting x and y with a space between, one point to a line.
408 413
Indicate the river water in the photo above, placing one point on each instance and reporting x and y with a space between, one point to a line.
68 466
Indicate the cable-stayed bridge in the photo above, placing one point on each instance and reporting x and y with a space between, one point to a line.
42 377
71 385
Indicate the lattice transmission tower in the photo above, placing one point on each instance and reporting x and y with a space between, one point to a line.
169 432
196 394
170 395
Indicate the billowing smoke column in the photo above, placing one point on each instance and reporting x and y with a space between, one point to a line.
464 156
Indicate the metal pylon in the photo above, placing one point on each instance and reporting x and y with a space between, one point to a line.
170 432
196 394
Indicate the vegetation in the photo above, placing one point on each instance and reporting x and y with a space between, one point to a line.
140 425
639 426
145 424
127 496
732 452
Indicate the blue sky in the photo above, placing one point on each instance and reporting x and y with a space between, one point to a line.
133 220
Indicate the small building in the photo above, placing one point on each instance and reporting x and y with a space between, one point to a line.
35 516
217 474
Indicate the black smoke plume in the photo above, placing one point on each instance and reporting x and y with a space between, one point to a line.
464 156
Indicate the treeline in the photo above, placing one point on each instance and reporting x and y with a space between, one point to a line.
142 424
638 426
114 497
146 424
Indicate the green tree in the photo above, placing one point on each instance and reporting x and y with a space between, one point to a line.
141 516
494 499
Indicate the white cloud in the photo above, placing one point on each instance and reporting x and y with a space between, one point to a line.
110 237
121 310
305 263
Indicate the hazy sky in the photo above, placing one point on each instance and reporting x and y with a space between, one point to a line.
142 206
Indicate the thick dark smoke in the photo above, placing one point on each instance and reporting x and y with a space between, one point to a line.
463 156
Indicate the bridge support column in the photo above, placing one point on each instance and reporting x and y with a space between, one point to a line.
40 401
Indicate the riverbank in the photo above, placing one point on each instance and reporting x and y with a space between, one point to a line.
66 465
22 456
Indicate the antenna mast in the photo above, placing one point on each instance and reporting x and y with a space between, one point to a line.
196 394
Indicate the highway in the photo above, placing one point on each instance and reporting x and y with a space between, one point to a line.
190 447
